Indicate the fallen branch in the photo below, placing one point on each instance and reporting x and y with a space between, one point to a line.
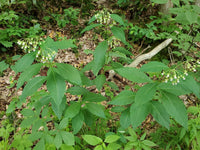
150 54
143 57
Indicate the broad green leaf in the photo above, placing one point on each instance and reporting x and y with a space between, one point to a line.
113 146
192 85
99 81
99 56
85 80
73 110
66 147
138 114
149 143
24 63
119 33
160 114
175 108
153 66
99 147
3 66
58 140
36 125
28 74
145 93
118 109
63 124
113 85
76 90
95 109
90 27
6 43
40 145
132 133
123 98
133 74
160 1
176 2
32 86
58 109
191 16
112 138
35 136
125 119
117 54
92 140
67 137
77 122
27 122
122 50
174 89
56 86
65 44
93 97
69 73
27 113
117 18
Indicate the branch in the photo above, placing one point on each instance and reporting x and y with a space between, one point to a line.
150 54
142 57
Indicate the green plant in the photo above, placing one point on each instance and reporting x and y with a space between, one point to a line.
99 144
69 16
137 143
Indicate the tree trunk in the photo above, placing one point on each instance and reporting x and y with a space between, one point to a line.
165 7
197 2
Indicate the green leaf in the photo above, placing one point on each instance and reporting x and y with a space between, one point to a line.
6 43
117 18
175 108
149 143
76 90
117 54
122 50
77 122
58 109
92 140
99 57
56 86
192 85
160 114
111 138
67 137
92 19
174 89
145 93
119 33
123 98
160 1
73 110
32 86
40 145
63 124
66 147
191 16
138 114
3 66
133 74
28 74
58 140
27 113
99 81
118 109
95 109
125 119
90 27
93 97
24 63
65 44
99 147
153 66
69 73
27 122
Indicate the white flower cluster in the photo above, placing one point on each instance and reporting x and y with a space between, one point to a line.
173 76
113 42
103 17
29 44
192 65
46 56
